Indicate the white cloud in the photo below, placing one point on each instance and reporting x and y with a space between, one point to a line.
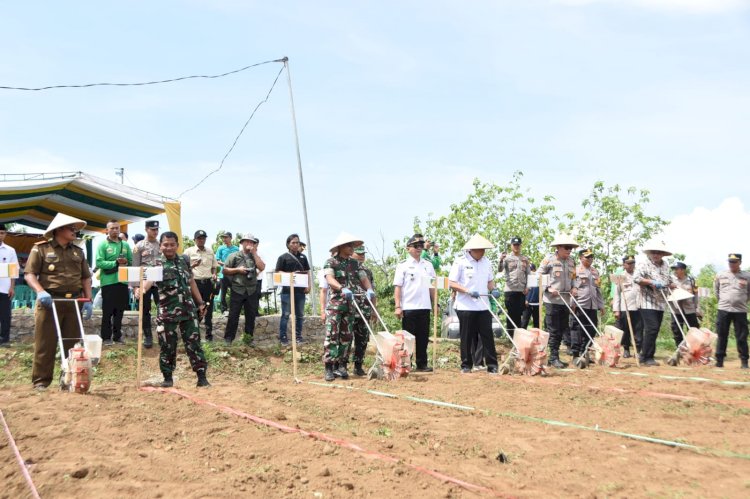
708 235
690 6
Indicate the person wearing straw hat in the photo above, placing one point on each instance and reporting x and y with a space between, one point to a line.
732 289
627 302
688 307
653 277
56 268
414 297
591 302
345 277
472 277
561 270
516 268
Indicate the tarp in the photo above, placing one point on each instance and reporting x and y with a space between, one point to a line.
34 200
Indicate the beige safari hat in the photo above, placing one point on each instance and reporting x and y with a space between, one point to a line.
346 238
478 242
564 240
61 220
656 246
678 294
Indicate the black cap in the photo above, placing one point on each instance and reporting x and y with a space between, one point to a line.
735 256
516 240
679 265
152 224
226 234
416 238
302 245
200 233
138 238
628 259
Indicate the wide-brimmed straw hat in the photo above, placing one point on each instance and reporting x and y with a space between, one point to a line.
61 220
678 294
564 240
346 238
478 242
656 246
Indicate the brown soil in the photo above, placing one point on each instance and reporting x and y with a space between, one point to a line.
118 441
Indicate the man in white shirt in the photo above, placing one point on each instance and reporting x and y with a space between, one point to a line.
413 297
472 278
7 288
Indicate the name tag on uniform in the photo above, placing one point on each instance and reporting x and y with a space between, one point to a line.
9 270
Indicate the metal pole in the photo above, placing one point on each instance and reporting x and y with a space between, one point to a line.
285 60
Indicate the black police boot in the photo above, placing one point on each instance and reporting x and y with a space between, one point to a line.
148 339
167 383
719 361
557 363
202 381
744 364
329 376
341 372
626 353
358 369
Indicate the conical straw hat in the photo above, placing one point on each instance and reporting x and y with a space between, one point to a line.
679 294
478 242
61 220
656 246
564 240
346 238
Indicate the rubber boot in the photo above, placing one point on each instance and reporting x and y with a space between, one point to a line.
358 369
148 339
719 361
744 364
202 381
167 383
329 376
555 362
341 372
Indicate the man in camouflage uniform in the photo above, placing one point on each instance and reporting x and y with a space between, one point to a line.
591 302
178 296
56 268
345 276
732 288
561 270
361 333
147 254
516 269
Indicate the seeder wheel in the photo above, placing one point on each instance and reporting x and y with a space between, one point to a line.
580 362
672 361
505 369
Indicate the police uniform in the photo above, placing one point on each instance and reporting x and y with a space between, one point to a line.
732 294
590 301
688 306
412 296
148 254
63 272
562 276
468 275
516 269
652 300
177 311
244 286
627 301
205 278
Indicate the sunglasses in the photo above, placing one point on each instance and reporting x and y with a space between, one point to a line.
418 245
567 247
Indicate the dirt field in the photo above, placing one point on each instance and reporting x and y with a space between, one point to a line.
120 442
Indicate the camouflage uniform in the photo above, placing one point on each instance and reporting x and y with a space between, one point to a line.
340 314
359 328
177 310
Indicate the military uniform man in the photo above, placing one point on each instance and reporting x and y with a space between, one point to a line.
56 268
345 276
242 269
561 270
654 279
148 254
359 328
180 305
590 299
516 268
626 302
689 306
732 294
204 265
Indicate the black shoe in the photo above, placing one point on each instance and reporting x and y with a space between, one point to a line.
5 344
358 371
465 370
744 364
300 340
425 369
227 342
341 372
148 340
490 370
202 381
719 362
650 363
40 388
120 341
626 354
557 363
108 343
284 341
167 383
329 376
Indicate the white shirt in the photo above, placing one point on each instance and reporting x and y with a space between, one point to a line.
7 255
411 276
473 275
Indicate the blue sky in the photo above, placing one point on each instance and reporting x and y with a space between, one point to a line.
399 106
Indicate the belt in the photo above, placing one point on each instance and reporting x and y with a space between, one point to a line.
64 295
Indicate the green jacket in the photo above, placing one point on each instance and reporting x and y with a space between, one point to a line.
106 260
